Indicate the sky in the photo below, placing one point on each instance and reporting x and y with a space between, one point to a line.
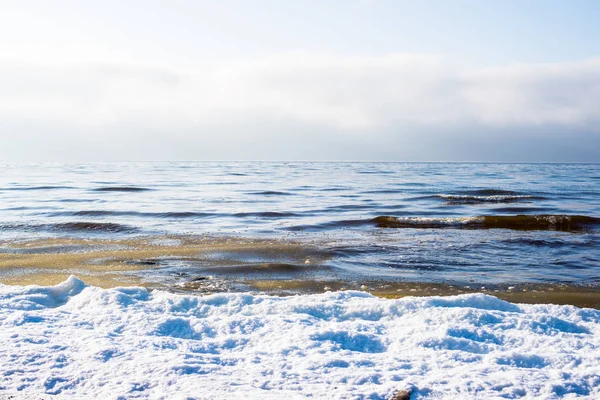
367 80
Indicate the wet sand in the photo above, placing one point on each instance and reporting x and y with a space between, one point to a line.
110 263
528 294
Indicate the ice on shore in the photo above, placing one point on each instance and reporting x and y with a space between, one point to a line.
75 341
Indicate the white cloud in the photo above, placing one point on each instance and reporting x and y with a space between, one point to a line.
346 93
338 95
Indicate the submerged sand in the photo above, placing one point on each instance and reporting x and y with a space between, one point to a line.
202 264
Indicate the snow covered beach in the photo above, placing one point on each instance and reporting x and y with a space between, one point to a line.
77 341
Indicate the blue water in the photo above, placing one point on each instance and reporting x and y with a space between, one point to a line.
332 206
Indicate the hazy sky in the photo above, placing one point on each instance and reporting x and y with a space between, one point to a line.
300 80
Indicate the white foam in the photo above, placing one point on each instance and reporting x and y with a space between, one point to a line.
439 220
490 198
77 342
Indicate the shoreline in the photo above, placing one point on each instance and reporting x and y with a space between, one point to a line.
205 265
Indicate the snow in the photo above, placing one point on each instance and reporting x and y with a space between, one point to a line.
77 341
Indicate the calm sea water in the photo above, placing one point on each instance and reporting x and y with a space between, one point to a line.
430 222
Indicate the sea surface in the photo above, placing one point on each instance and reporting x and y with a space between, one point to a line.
421 222
212 280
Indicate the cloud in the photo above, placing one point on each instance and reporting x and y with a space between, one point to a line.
331 98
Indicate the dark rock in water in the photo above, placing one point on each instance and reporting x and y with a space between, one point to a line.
403 394
201 278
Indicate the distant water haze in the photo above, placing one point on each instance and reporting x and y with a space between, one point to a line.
347 80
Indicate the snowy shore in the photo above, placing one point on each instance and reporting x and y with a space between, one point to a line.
77 341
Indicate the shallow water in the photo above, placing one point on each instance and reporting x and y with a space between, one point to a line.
493 225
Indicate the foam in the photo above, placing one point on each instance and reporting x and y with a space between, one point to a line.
495 198
77 341
518 222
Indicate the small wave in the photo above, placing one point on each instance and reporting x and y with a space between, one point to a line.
335 189
352 207
109 227
489 192
223 183
121 189
184 214
357 250
385 191
266 214
13 226
81 201
108 213
91 213
552 243
375 172
330 225
523 209
426 222
495 198
410 184
541 222
106 227
517 222
271 193
38 188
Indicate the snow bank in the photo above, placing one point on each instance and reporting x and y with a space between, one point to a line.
71 340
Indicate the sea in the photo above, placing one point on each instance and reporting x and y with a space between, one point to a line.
299 279
431 222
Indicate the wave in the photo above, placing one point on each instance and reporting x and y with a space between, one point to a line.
385 221
38 188
266 214
385 191
81 201
174 215
85 226
526 209
479 199
271 193
106 227
121 189
516 222
351 207
330 225
489 192
107 213
550 243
